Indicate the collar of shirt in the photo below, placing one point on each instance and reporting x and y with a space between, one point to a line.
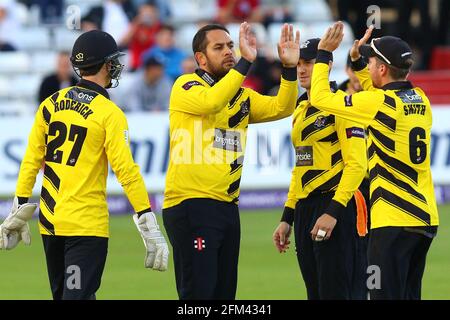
397 85
83 83
303 97
208 77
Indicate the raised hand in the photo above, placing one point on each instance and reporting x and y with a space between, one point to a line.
354 51
247 42
332 37
288 48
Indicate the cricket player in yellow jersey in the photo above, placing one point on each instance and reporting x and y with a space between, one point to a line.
209 115
404 216
331 162
76 132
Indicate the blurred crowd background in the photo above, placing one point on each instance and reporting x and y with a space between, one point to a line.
36 37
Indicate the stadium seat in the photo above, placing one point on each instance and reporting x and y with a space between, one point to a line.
65 38
22 13
89 2
35 38
192 11
184 36
14 108
43 62
436 84
4 87
318 30
14 62
84 5
258 28
311 10
440 58
25 87
274 30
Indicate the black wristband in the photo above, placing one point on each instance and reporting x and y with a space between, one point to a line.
140 213
359 64
22 200
288 216
324 56
334 209
289 74
243 66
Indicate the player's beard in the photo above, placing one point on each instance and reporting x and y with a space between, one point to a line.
220 70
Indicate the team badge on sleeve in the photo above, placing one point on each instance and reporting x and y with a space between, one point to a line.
190 84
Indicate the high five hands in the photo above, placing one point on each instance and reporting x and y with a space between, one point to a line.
354 51
247 42
288 47
332 37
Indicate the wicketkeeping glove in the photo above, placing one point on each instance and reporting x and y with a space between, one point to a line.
15 227
157 255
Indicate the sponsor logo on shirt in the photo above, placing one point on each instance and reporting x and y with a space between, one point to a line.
304 156
227 140
80 95
354 132
199 243
348 101
85 96
409 96
190 84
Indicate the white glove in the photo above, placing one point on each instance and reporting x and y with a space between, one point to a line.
15 227
157 255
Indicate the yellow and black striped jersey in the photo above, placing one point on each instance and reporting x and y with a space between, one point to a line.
76 132
208 128
330 155
399 121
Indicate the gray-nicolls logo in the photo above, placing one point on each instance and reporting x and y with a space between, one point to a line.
374 18
74 278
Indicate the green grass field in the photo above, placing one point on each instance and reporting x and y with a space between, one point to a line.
263 272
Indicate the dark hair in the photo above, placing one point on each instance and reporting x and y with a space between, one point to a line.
199 42
167 27
91 71
395 72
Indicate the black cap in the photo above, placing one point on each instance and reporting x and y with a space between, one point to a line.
308 49
93 48
391 50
